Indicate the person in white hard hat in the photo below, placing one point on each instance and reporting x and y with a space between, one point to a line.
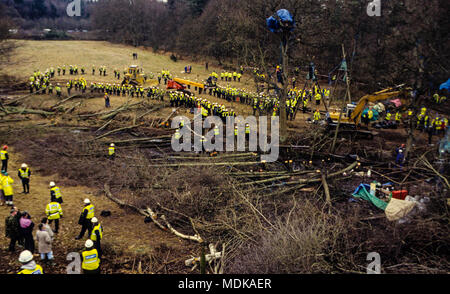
24 174
112 151
97 235
90 261
55 193
29 266
85 219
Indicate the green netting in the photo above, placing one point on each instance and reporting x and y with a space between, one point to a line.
361 192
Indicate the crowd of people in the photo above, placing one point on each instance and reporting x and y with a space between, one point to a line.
207 108
21 231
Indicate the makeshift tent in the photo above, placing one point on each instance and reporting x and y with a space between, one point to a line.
362 192
281 19
445 85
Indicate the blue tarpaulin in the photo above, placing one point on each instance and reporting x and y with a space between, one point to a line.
445 85
283 15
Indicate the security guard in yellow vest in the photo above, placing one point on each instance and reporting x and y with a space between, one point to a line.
177 134
204 113
316 116
1 189
54 213
216 131
388 116
90 261
112 151
318 97
97 235
370 114
55 193
8 190
29 266
4 157
398 117
247 131
305 105
423 111
24 174
85 219
58 90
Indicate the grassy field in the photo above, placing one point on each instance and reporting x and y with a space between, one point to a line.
40 55
32 55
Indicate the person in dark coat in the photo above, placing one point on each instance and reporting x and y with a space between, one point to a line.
12 228
27 226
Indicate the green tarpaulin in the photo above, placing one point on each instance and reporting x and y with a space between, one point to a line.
361 192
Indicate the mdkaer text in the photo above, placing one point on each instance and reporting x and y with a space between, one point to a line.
226 284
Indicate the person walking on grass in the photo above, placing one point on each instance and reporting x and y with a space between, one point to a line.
12 228
24 175
27 226
54 213
7 187
44 245
4 157
85 219
46 224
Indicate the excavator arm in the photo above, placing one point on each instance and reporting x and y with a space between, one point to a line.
377 96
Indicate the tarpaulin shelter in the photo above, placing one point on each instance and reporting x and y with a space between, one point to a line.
445 85
281 20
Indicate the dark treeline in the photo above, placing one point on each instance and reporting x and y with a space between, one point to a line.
408 43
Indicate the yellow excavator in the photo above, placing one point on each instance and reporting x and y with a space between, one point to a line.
135 76
351 114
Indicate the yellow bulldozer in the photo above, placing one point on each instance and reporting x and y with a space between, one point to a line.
135 76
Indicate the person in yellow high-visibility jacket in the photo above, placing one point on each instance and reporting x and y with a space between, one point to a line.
398 117
97 235
305 105
29 266
204 112
316 116
388 116
90 261
55 193
112 151
4 157
318 97
370 115
7 187
54 213
85 218
24 175
423 111
177 135
2 197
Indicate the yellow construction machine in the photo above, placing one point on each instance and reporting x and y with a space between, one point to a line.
351 114
135 76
